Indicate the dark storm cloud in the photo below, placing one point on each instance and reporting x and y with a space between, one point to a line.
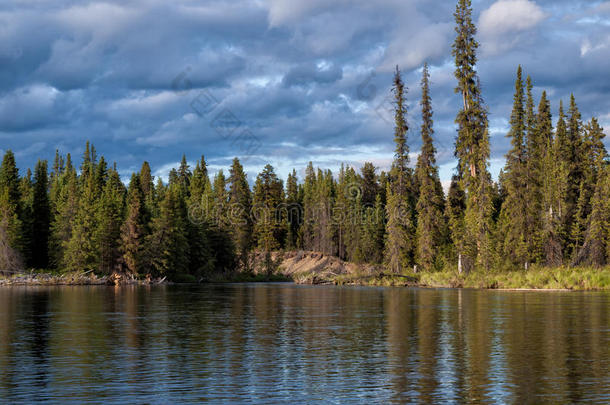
306 79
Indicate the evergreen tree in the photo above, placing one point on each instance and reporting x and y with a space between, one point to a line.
400 240
371 217
109 218
596 247
454 212
293 210
184 176
430 204
537 143
552 184
219 207
472 144
149 201
269 221
10 223
373 232
347 215
64 211
571 154
81 250
167 245
40 217
133 234
370 187
240 207
513 222
310 208
10 258
201 258
26 201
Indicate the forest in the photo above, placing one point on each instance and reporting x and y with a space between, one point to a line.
549 207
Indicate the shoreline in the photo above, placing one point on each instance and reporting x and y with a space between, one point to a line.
73 279
39 280
316 268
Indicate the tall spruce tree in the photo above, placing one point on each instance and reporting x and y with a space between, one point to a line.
572 155
537 141
513 223
400 232
431 224
551 180
472 144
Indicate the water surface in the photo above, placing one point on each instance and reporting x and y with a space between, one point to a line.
266 343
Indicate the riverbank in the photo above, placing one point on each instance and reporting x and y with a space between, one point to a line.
303 267
317 268
557 279
78 278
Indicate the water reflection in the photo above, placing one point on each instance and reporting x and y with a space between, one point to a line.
269 342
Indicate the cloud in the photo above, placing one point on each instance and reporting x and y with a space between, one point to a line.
500 24
28 107
312 73
309 78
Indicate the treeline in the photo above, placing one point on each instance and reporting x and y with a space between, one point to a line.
550 205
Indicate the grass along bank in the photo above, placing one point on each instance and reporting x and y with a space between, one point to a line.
317 268
563 278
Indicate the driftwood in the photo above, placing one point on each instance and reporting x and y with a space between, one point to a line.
84 278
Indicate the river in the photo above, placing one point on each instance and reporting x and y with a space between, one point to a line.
272 343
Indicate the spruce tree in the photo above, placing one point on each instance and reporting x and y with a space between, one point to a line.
26 200
167 245
373 232
596 247
150 202
371 218
294 211
219 207
269 221
551 180
572 155
430 204
11 259
309 208
240 207
454 212
40 217
64 211
109 218
81 250
400 233
513 217
472 143
132 246
347 215
370 187
201 258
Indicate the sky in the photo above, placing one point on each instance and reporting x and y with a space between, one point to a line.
276 81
